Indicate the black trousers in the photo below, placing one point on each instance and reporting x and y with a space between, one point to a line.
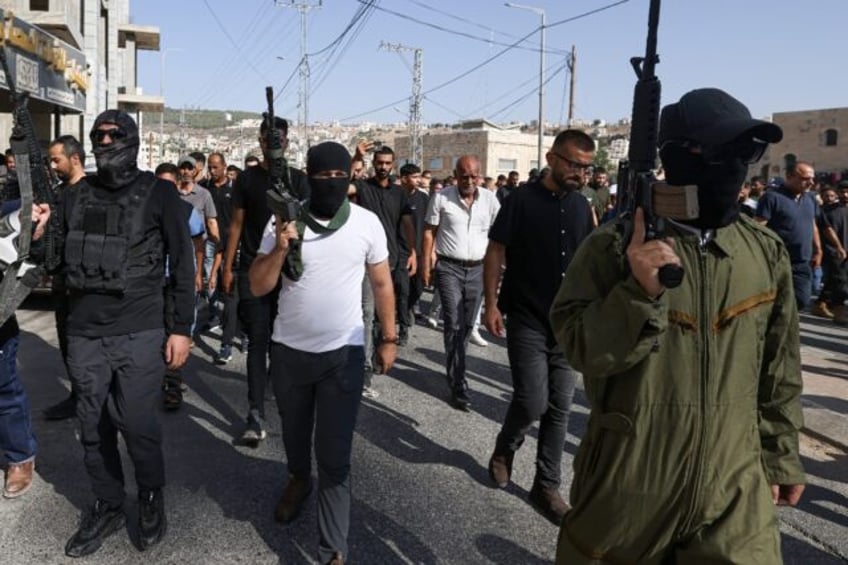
400 281
118 381
543 388
835 289
257 314
321 391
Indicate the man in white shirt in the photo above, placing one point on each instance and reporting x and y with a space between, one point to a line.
457 225
317 352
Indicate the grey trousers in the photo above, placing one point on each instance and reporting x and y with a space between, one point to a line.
461 290
321 391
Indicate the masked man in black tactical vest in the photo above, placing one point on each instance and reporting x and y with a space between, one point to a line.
119 226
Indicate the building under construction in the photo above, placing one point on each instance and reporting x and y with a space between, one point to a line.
75 59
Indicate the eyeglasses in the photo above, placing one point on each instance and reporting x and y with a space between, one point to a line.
583 168
99 135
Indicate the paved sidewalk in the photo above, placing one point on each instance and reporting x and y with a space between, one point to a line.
824 358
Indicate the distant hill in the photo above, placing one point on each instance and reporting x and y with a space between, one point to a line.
202 119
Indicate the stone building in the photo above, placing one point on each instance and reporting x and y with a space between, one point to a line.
817 136
500 150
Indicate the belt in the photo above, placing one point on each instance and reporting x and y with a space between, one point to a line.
460 262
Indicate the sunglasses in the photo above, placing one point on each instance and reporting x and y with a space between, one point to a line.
116 134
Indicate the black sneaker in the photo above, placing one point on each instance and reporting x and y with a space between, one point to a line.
151 518
403 336
62 410
99 522
225 355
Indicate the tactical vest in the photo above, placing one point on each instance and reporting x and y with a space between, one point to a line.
106 248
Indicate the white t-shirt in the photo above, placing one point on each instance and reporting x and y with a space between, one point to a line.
323 310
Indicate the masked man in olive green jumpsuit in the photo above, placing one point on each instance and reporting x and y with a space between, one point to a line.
693 432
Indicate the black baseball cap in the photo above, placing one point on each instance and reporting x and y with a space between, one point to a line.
712 117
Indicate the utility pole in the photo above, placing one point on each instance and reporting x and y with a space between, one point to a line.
303 7
540 12
572 65
416 147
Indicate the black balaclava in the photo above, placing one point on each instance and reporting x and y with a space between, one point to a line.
718 184
117 163
707 139
328 194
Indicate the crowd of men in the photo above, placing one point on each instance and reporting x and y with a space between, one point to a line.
320 305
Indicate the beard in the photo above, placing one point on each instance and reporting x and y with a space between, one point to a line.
567 183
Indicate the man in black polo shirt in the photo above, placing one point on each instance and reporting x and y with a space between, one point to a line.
250 216
221 188
410 180
535 234
391 204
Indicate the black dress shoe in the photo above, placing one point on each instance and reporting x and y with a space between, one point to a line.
62 410
151 518
98 522
460 400
291 501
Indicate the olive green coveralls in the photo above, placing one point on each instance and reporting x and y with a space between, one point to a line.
694 401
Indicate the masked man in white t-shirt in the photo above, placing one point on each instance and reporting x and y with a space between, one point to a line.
317 353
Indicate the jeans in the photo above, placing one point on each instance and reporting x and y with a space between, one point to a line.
16 437
461 290
543 387
118 381
802 276
230 317
257 315
321 391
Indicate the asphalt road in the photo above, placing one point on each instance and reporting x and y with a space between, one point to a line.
420 486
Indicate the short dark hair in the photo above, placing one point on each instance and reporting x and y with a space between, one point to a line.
9 152
167 168
758 179
516 173
233 168
70 147
409 169
501 177
599 170
385 150
198 156
279 123
576 137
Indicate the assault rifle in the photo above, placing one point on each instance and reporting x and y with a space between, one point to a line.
20 276
637 185
281 198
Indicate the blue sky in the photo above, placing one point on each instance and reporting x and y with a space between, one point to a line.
770 54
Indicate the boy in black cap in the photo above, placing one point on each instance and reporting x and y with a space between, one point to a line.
317 345
695 390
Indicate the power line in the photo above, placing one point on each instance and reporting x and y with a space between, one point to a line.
488 41
528 94
486 61
230 37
